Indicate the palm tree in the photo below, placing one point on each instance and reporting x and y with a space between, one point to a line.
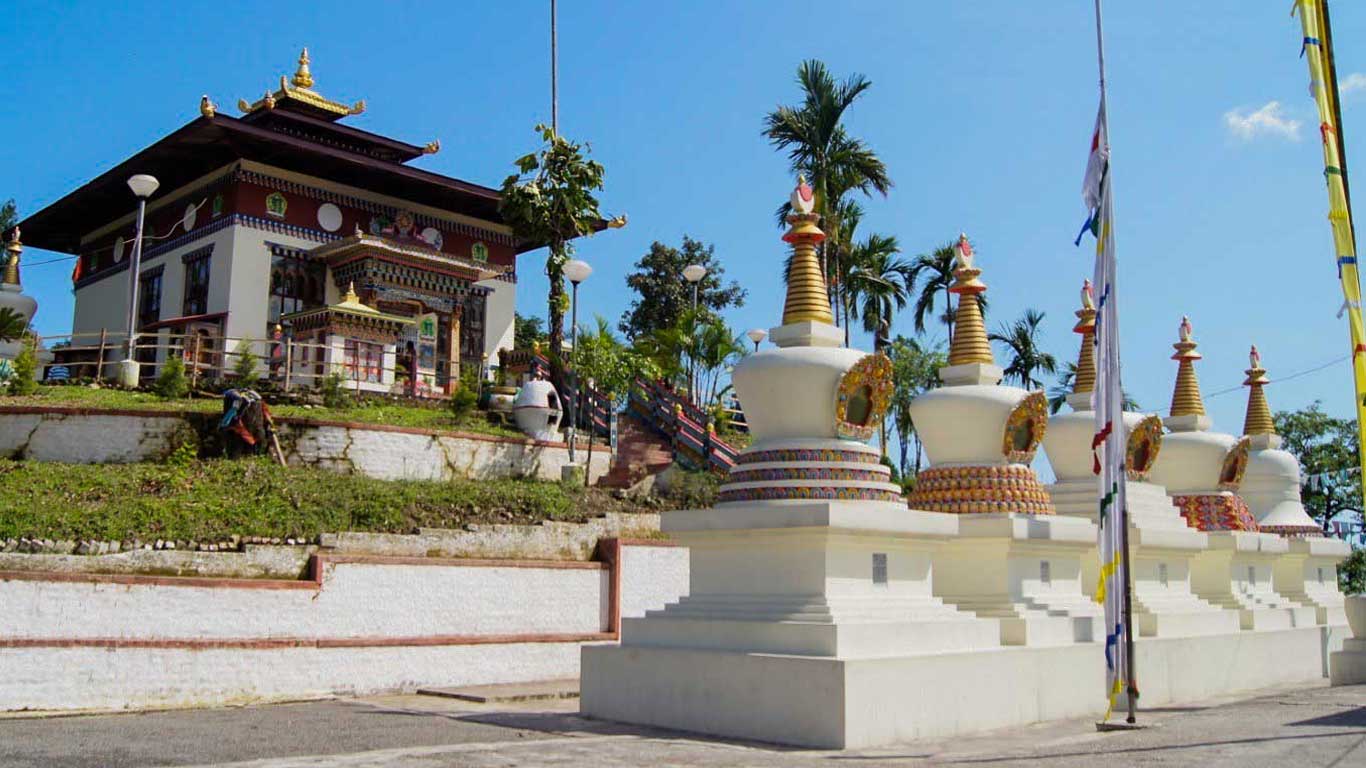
879 283
12 324
818 145
1026 357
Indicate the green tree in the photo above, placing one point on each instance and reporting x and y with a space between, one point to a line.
933 273
609 364
244 372
1327 450
694 353
662 294
527 331
9 216
171 383
1352 573
551 200
879 284
1026 358
12 324
819 146
24 379
915 370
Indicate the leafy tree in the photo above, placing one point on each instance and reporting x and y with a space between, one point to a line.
1352 573
12 324
171 383
915 369
662 294
23 381
527 331
244 371
551 200
1026 358
9 216
694 352
608 363
819 146
1327 450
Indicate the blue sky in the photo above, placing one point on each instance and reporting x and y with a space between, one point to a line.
982 111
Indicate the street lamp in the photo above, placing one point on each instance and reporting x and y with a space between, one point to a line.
693 273
577 271
756 335
143 186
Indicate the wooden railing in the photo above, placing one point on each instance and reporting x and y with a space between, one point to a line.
686 426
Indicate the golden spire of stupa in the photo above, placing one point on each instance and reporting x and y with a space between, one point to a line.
807 298
1085 380
13 248
969 343
1258 419
1186 400
302 77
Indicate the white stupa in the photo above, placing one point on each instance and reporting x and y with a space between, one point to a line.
12 296
811 617
1161 544
1202 471
1307 573
1014 559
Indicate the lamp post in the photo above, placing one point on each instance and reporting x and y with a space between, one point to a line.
143 186
576 271
756 335
693 273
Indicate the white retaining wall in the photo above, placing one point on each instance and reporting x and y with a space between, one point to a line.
73 642
387 453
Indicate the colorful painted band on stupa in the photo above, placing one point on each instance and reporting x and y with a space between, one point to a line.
1216 512
981 490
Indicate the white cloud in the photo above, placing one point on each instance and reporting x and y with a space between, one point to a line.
1270 120
1353 82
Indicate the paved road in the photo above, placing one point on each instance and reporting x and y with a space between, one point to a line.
1318 727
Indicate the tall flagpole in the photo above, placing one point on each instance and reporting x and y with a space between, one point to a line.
554 75
1110 413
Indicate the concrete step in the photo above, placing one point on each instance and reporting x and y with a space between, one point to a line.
509 692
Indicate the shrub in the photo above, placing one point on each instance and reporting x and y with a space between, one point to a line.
334 392
23 381
171 383
244 371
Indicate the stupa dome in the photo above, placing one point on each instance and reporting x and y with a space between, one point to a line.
1271 482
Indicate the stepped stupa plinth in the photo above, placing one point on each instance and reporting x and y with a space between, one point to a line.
812 616
980 437
1161 544
1307 573
1203 471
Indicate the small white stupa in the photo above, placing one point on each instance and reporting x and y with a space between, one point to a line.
1307 573
1161 544
1202 471
1014 559
12 297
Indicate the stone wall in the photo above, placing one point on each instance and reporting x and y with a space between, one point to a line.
87 436
361 624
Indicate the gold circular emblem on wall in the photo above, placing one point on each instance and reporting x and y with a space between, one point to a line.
1145 442
862 397
1025 428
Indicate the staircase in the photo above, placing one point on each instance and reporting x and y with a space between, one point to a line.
640 452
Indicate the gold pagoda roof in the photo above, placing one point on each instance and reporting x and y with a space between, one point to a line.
299 90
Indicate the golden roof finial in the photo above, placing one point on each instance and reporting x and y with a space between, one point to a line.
1085 379
269 98
807 298
1186 400
1258 420
616 222
206 107
432 147
969 343
303 78
14 248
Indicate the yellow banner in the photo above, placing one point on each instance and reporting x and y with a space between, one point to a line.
1324 89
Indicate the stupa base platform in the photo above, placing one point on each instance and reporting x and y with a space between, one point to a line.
834 703
1348 665
1161 549
1308 575
1236 573
1023 570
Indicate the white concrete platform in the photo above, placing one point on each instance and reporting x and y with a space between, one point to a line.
1161 548
1025 572
1236 573
1308 575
